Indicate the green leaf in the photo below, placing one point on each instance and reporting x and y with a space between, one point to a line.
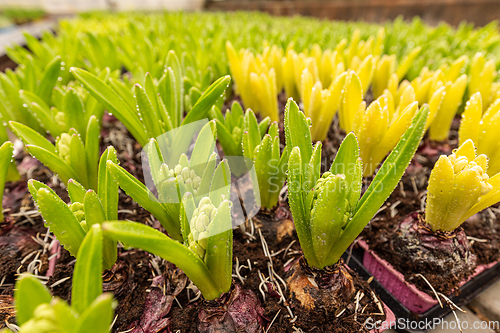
97 318
92 147
207 177
6 151
263 125
220 188
58 217
347 162
167 88
151 240
177 86
73 109
40 111
186 213
124 91
140 194
87 280
147 113
204 145
326 222
29 294
107 187
219 252
31 137
94 212
296 200
53 162
297 132
65 316
229 145
49 79
76 191
313 168
112 102
262 158
150 89
251 136
384 182
207 100
77 159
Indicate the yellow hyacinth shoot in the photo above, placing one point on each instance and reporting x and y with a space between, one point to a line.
320 105
352 96
256 79
459 187
441 124
379 128
483 130
482 73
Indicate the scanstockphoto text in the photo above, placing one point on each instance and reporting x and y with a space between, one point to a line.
431 323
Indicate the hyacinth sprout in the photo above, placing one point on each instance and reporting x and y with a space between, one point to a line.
325 233
459 187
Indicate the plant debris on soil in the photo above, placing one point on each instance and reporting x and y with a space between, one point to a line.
263 247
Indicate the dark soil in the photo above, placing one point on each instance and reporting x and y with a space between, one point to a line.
283 247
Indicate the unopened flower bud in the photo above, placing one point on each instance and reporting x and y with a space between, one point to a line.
460 164
63 146
185 173
178 169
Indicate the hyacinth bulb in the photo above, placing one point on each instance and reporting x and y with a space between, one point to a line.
459 187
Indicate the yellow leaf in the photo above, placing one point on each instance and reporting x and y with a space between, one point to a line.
439 193
469 125
406 97
489 140
396 129
370 133
306 85
315 102
289 78
365 71
393 84
351 98
487 200
387 100
422 87
352 50
452 100
466 149
476 67
330 106
383 71
406 63
434 105
457 68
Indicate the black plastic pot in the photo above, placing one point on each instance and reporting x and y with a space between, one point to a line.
408 321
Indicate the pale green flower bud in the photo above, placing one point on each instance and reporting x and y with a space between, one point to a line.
204 201
202 222
43 321
78 211
63 146
203 240
185 173
178 169
60 119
